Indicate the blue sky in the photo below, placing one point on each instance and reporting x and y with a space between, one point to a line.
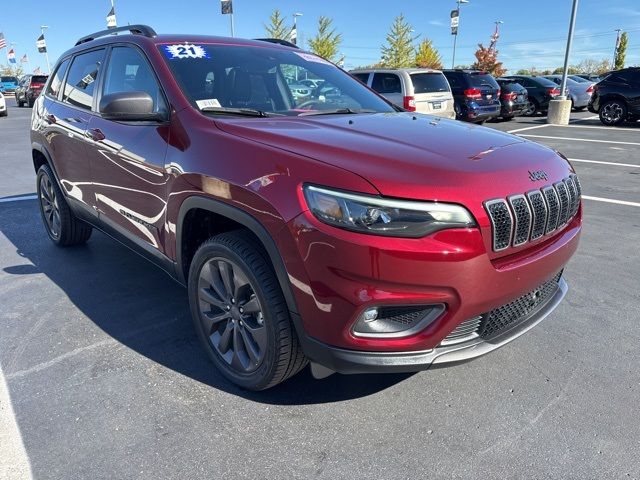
533 33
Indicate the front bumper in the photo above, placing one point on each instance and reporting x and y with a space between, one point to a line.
352 361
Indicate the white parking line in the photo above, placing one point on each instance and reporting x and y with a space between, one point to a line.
18 199
583 119
580 139
604 163
609 200
528 128
599 127
14 462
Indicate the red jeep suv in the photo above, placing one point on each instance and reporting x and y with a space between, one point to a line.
330 227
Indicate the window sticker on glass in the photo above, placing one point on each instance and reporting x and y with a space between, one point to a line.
208 103
185 50
312 58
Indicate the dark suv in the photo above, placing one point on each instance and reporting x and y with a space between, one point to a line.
335 229
616 99
540 90
513 97
476 95
29 88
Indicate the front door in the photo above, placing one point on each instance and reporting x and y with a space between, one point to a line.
127 158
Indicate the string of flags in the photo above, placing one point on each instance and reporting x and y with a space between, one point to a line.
11 53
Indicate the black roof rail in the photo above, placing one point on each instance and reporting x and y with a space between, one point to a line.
134 29
279 41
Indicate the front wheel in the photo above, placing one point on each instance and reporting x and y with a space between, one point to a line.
240 313
531 109
61 225
613 112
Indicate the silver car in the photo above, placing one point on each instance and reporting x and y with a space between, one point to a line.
421 90
579 93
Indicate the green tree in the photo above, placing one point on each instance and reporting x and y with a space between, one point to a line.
16 71
487 60
278 27
621 52
399 50
427 56
572 70
326 42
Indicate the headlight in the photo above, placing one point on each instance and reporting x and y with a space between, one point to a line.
381 216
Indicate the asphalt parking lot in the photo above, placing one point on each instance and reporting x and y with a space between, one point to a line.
106 378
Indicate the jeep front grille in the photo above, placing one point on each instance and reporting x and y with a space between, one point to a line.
524 218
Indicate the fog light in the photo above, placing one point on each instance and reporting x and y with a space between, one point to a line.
396 321
370 315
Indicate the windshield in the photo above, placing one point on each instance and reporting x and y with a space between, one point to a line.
429 82
270 80
9 79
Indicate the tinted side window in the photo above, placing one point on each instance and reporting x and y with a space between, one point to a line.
81 81
56 80
363 77
386 83
129 71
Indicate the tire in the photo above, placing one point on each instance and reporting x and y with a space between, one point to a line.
457 110
61 225
20 104
579 109
31 101
613 112
254 349
532 108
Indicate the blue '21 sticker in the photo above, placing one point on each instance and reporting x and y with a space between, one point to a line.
185 50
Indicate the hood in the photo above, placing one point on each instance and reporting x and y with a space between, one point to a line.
414 156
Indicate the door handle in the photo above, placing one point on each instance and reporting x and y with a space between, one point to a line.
95 134
50 118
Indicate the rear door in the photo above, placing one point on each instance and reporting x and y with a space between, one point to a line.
128 158
67 117
389 86
432 93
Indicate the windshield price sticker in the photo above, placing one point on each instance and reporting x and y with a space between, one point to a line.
185 50
208 103
312 58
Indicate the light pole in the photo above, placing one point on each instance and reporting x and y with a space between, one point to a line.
560 107
46 53
294 37
615 49
455 35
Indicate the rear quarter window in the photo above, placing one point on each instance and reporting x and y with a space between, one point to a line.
56 80
429 83
363 77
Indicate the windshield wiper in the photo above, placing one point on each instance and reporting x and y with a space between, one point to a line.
334 111
247 112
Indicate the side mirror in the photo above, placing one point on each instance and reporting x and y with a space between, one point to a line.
129 106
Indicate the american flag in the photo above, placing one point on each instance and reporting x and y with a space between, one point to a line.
3 42
37 71
24 59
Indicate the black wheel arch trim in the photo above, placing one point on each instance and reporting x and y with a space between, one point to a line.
251 223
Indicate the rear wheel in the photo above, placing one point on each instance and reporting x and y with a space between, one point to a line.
19 102
62 226
613 112
31 102
240 314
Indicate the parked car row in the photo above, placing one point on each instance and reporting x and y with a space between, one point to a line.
29 88
471 95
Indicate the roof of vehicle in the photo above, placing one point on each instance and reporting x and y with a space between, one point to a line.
394 70
466 70
141 33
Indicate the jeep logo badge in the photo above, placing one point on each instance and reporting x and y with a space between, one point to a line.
538 175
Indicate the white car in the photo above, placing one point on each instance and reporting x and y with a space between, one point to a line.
3 106
420 90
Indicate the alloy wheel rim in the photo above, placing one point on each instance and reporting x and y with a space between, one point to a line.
231 315
612 112
50 207
531 109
